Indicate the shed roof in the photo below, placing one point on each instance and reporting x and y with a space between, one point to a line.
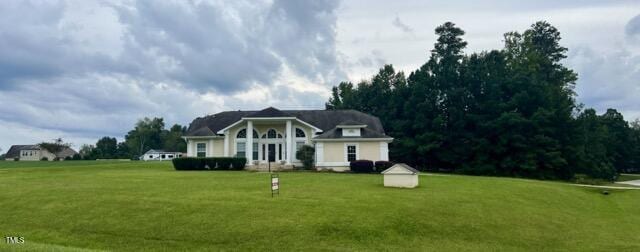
394 169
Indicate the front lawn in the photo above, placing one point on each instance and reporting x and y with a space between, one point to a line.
147 205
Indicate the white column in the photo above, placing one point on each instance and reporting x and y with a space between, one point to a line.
249 146
384 151
226 143
210 148
189 149
289 143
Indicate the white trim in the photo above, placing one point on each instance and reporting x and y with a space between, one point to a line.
346 154
352 126
351 132
249 142
352 139
226 144
288 137
201 137
384 151
319 153
268 119
332 164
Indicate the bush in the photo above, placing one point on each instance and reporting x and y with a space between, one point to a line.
56 159
224 163
208 163
44 159
306 154
16 159
238 163
361 166
382 165
212 163
77 157
188 164
68 158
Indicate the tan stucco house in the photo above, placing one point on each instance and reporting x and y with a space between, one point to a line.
35 153
338 136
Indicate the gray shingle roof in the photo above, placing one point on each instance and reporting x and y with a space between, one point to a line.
14 151
326 120
269 112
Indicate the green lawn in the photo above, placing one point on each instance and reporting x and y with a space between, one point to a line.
61 206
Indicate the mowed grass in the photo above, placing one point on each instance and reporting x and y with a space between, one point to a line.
138 206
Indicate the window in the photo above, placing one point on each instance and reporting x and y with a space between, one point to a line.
300 133
271 133
243 134
201 150
170 156
351 153
162 156
150 156
241 150
255 151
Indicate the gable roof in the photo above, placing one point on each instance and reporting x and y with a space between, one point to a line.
404 166
269 112
326 120
14 150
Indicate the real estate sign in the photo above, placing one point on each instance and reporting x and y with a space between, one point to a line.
275 184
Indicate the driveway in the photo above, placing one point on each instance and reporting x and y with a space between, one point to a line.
630 182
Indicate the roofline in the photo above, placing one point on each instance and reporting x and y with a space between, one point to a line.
351 126
199 137
268 118
386 139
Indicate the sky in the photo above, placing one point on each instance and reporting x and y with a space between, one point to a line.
84 69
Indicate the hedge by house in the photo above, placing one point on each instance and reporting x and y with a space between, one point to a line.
382 165
361 166
213 163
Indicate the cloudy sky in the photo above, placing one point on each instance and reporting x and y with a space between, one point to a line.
85 69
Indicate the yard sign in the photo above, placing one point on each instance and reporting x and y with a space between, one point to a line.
275 184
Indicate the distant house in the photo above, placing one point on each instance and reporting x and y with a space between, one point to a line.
273 136
160 155
36 153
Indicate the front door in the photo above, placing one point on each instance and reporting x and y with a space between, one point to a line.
272 152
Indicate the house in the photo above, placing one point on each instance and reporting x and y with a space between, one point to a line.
401 175
36 153
272 135
160 155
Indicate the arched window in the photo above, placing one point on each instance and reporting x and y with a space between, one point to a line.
243 134
300 133
271 133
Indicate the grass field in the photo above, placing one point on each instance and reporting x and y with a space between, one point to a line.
134 206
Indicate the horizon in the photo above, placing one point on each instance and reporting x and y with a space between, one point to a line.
103 65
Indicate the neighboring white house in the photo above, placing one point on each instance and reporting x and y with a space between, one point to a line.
159 155
36 153
272 135
401 175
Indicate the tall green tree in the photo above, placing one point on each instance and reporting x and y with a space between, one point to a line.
146 135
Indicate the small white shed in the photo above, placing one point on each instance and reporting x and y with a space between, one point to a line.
401 175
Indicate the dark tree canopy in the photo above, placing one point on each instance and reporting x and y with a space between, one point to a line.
509 112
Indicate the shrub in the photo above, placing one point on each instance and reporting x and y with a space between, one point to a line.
306 154
44 159
208 163
56 159
382 165
68 158
238 163
224 163
361 166
16 159
188 163
77 157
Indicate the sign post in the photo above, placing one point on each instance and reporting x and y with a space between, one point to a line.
275 184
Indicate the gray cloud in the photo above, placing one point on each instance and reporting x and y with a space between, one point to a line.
402 26
632 29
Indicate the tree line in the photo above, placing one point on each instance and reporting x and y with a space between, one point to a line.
147 134
507 112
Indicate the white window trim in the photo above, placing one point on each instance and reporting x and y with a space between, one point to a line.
237 140
205 148
346 154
